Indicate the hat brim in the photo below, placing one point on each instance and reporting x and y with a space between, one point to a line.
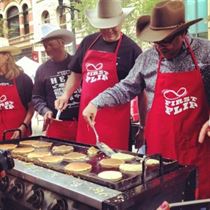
151 35
64 34
102 23
13 50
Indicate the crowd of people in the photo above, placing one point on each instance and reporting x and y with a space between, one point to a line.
94 87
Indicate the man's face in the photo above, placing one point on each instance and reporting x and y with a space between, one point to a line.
170 47
111 34
54 48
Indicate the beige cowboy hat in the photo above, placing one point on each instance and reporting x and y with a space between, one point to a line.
49 31
6 47
107 14
167 19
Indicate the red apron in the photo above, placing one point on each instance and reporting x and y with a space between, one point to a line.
62 129
12 111
99 73
177 114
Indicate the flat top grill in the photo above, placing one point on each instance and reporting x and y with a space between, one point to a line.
132 192
127 182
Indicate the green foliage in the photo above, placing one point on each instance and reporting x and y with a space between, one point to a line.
83 27
81 23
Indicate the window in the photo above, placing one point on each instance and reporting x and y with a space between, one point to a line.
45 17
197 9
13 22
25 19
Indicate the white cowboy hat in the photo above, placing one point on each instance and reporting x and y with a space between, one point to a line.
6 47
107 14
49 31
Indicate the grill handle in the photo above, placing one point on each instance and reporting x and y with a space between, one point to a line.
144 167
5 132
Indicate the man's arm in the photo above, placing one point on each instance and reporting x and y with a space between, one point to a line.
73 82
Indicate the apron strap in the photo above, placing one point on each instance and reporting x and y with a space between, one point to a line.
94 41
118 44
191 53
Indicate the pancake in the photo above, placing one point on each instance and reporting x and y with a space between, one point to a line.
51 159
130 168
111 163
123 156
78 167
62 149
22 150
28 142
7 146
38 154
151 162
110 175
75 156
92 151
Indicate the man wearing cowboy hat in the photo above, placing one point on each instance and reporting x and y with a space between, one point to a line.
49 84
101 61
175 73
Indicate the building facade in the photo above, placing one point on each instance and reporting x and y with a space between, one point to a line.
21 20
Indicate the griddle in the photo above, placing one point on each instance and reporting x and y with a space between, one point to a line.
127 182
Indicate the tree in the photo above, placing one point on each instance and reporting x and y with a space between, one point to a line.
83 27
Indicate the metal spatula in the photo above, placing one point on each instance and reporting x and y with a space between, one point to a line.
58 115
102 146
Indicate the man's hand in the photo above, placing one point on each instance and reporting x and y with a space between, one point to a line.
164 206
205 130
2 174
61 103
48 116
17 133
89 113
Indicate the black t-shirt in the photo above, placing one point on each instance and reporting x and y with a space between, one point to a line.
127 54
24 86
49 84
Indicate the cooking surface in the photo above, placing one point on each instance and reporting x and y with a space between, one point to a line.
127 182
132 192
